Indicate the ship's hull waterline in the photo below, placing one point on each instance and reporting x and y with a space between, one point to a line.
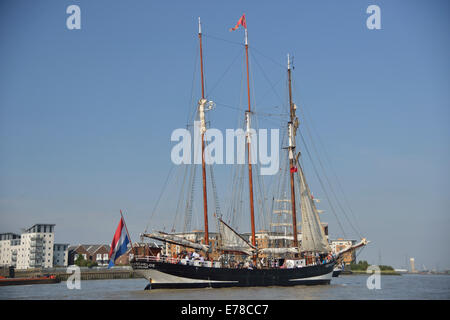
178 276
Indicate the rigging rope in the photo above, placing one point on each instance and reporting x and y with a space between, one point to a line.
225 72
331 187
192 102
159 198
321 183
221 39
214 188
272 86
180 199
332 169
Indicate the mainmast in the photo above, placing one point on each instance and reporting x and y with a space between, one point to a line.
292 128
247 119
203 130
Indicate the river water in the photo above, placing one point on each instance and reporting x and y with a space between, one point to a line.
407 286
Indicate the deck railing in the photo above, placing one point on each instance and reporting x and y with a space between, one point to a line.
217 264
191 262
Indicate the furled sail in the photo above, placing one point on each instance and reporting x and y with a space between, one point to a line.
231 241
165 237
360 244
278 251
313 235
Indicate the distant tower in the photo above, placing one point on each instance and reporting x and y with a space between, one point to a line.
411 263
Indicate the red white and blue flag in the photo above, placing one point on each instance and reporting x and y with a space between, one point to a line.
119 243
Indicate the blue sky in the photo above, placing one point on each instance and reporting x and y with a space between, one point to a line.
86 115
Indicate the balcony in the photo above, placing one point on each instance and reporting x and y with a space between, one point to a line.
36 250
37 256
34 264
37 244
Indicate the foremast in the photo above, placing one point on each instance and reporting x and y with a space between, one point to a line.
292 129
201 109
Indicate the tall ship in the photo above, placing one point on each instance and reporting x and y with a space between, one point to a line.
233 258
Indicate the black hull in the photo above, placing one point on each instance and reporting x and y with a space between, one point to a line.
168 275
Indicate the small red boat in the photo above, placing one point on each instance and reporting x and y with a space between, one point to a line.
25 281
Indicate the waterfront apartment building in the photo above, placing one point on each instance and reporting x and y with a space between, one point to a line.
9 243
34 248
60 254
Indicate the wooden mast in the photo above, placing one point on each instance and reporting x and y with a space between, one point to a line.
205 199
250 176
291 133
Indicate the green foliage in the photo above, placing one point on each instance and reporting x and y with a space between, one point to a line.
386 268
363 265
81 262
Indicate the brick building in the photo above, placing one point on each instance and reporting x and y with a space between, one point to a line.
91 252
140 249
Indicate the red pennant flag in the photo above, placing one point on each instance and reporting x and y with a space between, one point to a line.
294 169
241 22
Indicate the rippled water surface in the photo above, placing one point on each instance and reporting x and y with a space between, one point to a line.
406 286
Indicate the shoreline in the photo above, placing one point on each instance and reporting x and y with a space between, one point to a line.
62 275
382 272
106 274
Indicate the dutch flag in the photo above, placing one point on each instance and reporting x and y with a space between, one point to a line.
119 243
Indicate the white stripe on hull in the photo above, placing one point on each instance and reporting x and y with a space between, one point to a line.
161 277
326 276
